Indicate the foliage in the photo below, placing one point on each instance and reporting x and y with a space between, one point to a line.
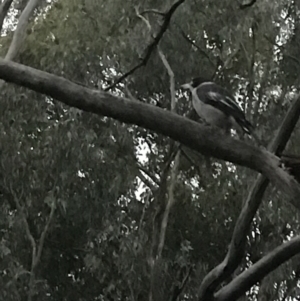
103 235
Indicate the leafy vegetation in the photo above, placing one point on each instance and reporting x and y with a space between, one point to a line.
85 199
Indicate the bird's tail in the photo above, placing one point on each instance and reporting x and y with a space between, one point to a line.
248 128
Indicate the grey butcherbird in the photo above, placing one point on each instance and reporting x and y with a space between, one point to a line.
217 106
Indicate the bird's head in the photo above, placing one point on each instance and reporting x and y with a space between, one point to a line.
195 82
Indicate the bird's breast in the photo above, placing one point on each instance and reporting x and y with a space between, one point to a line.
209 113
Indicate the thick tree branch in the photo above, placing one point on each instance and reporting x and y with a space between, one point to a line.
199 137
236 250
205 139
259 270
156 39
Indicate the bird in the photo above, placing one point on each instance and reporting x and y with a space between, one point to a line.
216 106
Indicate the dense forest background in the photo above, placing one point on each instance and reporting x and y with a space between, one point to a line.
95 209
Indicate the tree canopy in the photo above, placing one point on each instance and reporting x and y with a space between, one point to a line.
111 188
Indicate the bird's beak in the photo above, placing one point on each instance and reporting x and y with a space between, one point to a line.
186 86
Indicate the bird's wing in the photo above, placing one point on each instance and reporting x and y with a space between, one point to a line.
218 97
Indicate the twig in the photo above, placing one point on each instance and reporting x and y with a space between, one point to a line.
192 157
167 18
153 11
147 172
246 5
147 182
281 48
146 205
292 58
178 289
143 19
261 90
190 41
251 67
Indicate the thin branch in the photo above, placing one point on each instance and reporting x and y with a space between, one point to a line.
295 59
236 249
259 270
36 250
153 11
146 205
32 241
208 140
4 7
144 20
20 32
167 18
246 5
147 173
163 191
272 42
160 196
170 203
165 171
174 170
281 48
25 222
171 76
178 288
148 183
190 41
251 66
37 254
43 235
261 90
